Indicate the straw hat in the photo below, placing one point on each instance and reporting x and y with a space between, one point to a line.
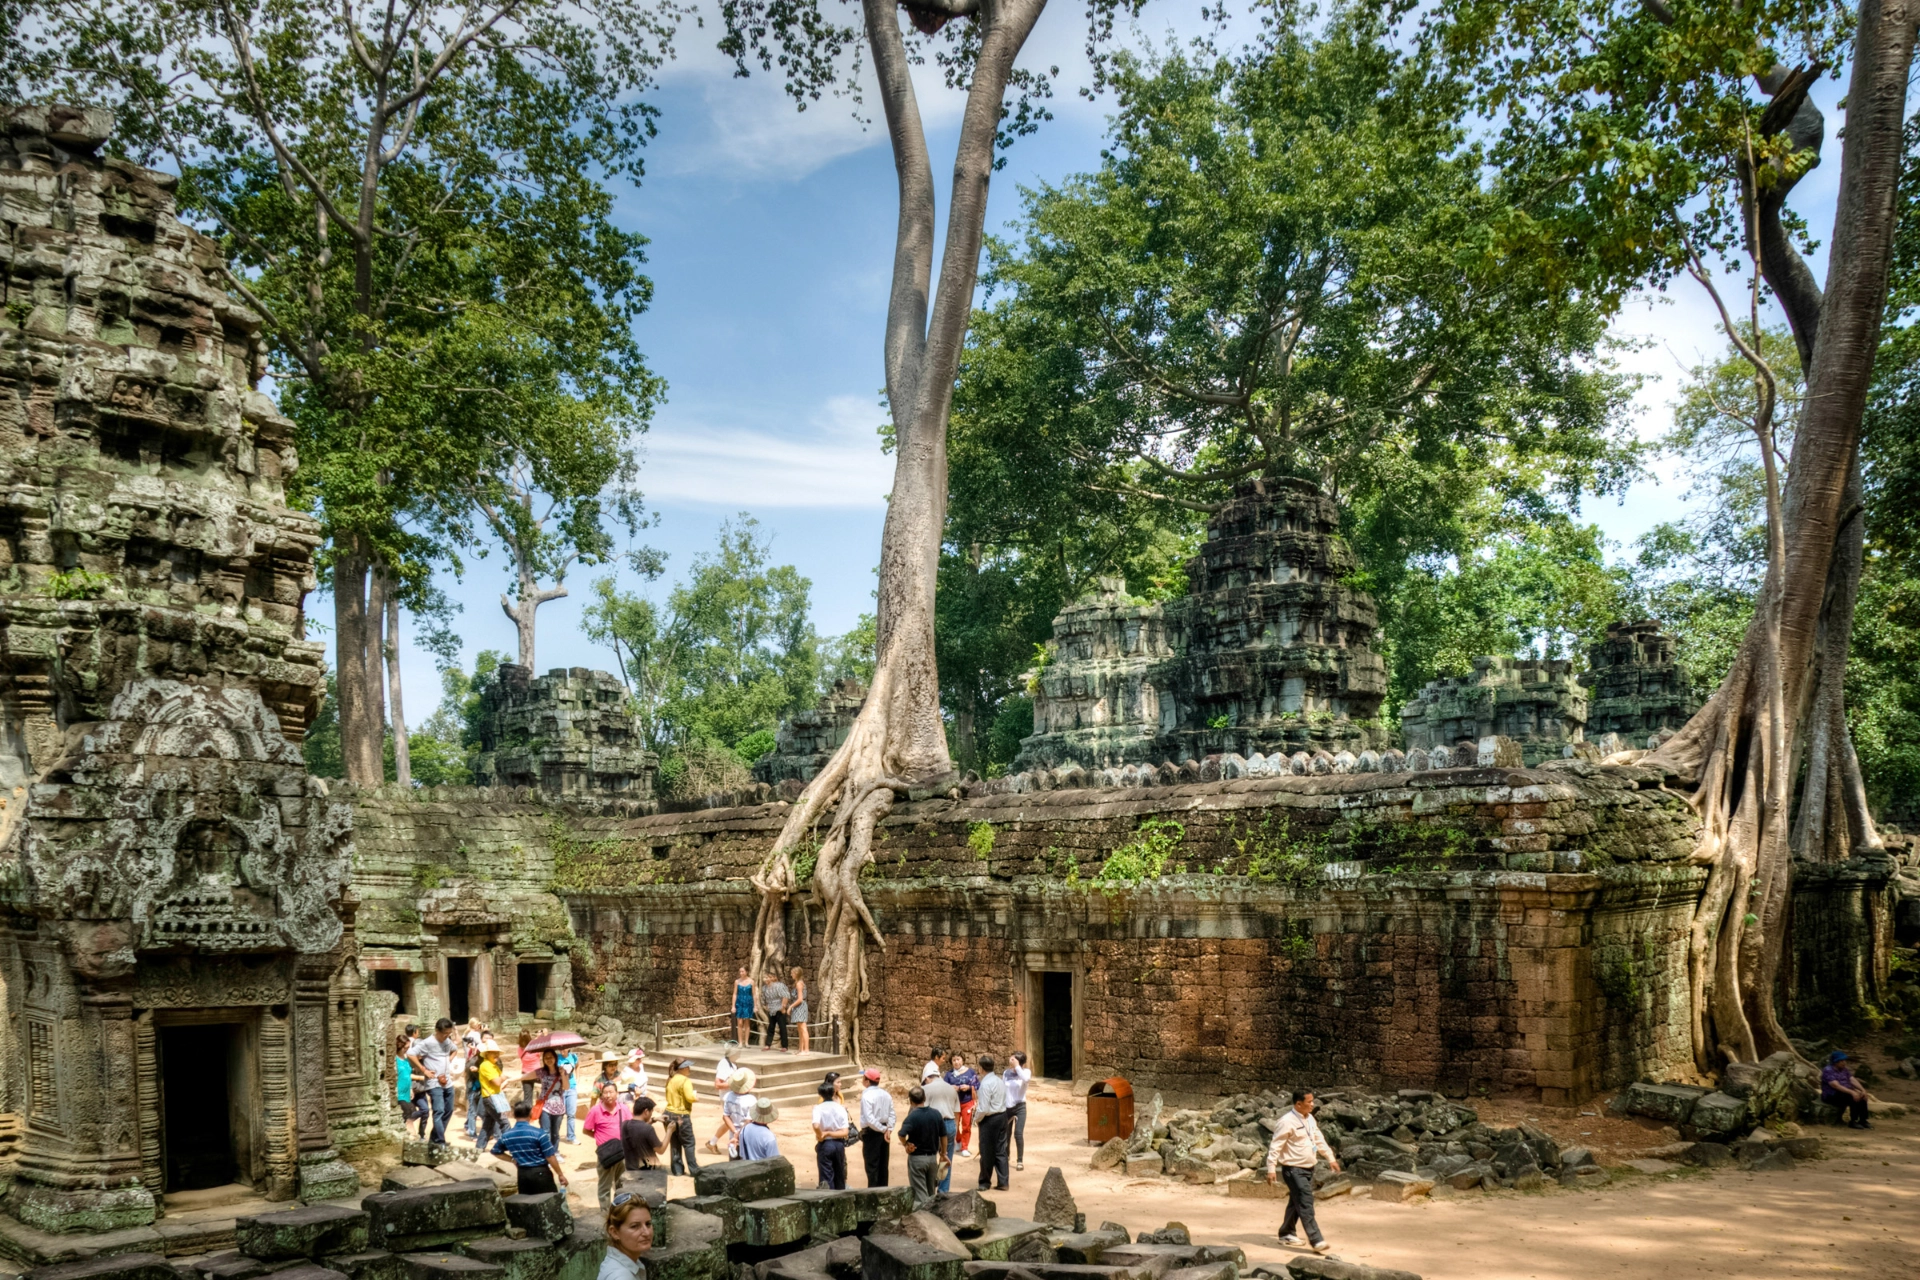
489 1045
741 1081
611 1056
764 1111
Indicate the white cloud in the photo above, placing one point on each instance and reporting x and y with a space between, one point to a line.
833 461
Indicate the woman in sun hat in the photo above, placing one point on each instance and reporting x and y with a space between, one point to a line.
736 1112
633 1080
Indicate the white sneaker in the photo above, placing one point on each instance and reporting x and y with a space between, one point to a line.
1323 1247
1290 1240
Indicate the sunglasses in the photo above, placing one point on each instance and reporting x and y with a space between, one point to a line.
624 1196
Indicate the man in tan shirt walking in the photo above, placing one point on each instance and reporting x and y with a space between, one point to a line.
1297 1145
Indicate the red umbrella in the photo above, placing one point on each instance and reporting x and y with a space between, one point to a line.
554 1040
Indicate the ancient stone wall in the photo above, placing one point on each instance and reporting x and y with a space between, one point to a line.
1637 688
1536 702
568 732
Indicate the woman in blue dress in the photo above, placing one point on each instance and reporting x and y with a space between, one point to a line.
743 1008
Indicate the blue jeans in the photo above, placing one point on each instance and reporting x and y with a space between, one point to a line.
573 1108
440 1097
946 1149
473 1108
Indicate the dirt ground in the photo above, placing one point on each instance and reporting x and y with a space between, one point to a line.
1854 1213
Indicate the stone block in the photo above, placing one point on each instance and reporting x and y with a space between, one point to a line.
808 1262
1054 1205
1716 1114
1312 1268
439 1265
429 1155
830 1213
731 1213
882 1204
1011 1240
1111 1155
1776 1161
1584 1175
1256 1188
1206 1271
1145 1164
576 1257
1047 1271
1802 1148
1085 1247
926 1228
1670 1102
428 1217
306 1271
369 1264
1651 1166
1708 1155
402 1177
746 1180
473 1171
1395 1186
775 1221
543 1217
676 1226
301 1233
889 1257
1471 1176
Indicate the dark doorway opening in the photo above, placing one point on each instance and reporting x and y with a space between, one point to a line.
1056 1026
206 1105
532 980
398 981
459 988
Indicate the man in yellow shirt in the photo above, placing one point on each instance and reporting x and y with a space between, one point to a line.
680 1115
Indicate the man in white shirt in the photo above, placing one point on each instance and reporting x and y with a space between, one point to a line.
433 1058
1297 1145
876 1128
1017 1078
945 1099
990 1119
830 1125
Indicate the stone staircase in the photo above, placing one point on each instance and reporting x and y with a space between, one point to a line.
790 1080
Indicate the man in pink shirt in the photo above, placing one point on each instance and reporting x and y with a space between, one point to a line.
602 1126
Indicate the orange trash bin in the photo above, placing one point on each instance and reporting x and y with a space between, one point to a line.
1109 1110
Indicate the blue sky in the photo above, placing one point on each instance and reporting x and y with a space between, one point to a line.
771 246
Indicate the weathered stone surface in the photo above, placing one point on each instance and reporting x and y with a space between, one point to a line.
928 1229
472 1170
830 1213
1776 1161
1708 1155
1111 1154
1715 1114
806 740
427 1217
569 731
369 1264
1054 1206
124 1266
1586 1175
775 1221
1396 1186
1310 1268
882 1204
890 1257
302 1233
403 1176
1206 1271
574 1257
978 1270
1636 687
450 1266
1651 1166
1536 705
307 1271
542 1217
745 1180
1145 1164
230 1264
429 1155
1669 1102
1775 1089
675 1225
1085 1247
1011 1240
965 1211
1171 1233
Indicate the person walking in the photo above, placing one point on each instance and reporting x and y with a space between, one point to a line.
1838 1088
945 1099
876 1128
736 1113
756 1140
603 1126
1018 1077
433 1060
680 1116
549 1091
797 1011
966 1081
830 1127
775 1000
922 1135
629 1237
403 1081
743 1007
471 1039
1297 1145
570 1063
990 1115
534 1156
493 1103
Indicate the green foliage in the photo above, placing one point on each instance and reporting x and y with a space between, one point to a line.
805 859
980 840
1145 856
430 876
321 746
583 863
1220 722
79 584
729 653
850 656
755 745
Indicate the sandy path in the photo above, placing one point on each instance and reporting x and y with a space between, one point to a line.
1855 1213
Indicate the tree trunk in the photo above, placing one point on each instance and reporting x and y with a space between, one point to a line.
898 741
520 609
402 764
1740 748
359 694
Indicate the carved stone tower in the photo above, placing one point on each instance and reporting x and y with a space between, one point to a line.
1536 702
568 733
1637 688
177 949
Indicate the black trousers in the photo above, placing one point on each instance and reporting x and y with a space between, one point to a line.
680 1142
1856 1108
535 1179
830 1162
994 1131
1299 1202
875 1151
776 1022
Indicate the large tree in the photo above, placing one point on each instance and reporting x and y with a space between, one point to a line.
413 199
1663 140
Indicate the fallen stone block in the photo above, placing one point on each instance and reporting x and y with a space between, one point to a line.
927 1228
302 1232
811 1261
306 1271
1111 1155
403 1176
1054 1206
1172 1233
731 1213
1048 1271
527 1259
1802 1148
230 1265
368 1264
1310 1268
1669 1102
437 1265
1776 1161
1531 1180
1708 1155
746 1180
1716 1114
776 1221
881 1204
676 1226
1575 1157
1340 1185
1585 1175
120 1266
543 1217
1471 1176
885 1257
1145 1164
1652 1166
424 1218
829 1213
1397 1187
1206 1271
1084 1247
418 1151
704 1260
1011 1240
475 1171
1256 1189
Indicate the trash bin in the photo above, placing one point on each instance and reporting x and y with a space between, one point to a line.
1109 1110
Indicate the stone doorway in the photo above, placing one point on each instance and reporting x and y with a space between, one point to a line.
1053 1005
459 989
208 1105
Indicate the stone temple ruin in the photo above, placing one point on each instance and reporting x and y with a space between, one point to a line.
1269 651
177 952
1636 686
568 732
1535 702
808 739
